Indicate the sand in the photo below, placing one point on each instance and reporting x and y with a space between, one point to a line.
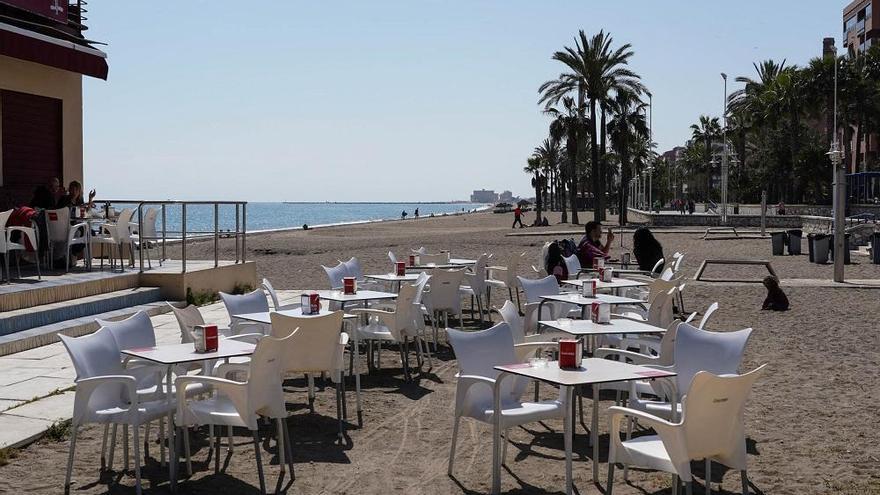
811 420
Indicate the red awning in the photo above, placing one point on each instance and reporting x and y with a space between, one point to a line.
34 47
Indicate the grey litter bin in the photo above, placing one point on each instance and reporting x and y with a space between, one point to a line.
811 238
821 247
777 240
846 257
875 248
794 241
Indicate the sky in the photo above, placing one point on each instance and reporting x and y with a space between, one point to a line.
389 100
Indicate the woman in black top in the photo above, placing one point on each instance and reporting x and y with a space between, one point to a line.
646 249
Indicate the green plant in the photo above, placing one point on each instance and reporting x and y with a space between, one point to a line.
7 455
201 298
240 288
58 432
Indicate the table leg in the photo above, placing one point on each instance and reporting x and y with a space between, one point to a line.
172 447
567 434
357 377
496 435
594 433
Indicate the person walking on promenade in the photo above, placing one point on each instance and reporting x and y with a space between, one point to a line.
517 217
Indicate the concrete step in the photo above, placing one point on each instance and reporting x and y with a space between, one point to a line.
80 317
57 287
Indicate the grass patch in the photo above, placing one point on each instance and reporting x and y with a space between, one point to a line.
242 288
202 298
7 454
57 391
58 432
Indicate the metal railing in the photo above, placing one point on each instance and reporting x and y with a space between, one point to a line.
183 235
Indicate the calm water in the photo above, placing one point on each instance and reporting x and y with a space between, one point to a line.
265 216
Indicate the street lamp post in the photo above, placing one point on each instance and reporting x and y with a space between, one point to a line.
724 165
839 188
650 145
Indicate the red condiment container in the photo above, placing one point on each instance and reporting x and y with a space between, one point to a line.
349 285
412 260
589 288
401 268
600 313
212 340
314 303
570 353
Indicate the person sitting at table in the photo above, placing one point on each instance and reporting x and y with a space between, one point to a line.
591 245
554 264
74 197
646 249
49 196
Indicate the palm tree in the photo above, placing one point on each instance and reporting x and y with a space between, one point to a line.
626 126
706 131
595 71
567 123
547 154
533 166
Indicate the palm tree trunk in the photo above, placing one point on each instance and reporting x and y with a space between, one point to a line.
598 200
538 191
560 195
572 147
602 152
624 179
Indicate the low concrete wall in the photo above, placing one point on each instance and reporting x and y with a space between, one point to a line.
201 279
712 220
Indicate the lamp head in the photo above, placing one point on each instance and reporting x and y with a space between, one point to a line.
724 76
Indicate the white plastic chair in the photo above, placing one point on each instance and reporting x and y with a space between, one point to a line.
240 403
64 235
398 326
187 319
252 302
276 303
436 259
533 290
107 394
146 240
504 277
420 250
511 316
314 345
392 257
708 314
7 247
477 354
476 284
443 297
115 235
336 274
573 265
712 428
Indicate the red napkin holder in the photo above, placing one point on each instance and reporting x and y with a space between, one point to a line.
412 260
570 353
401 268
349 285
600 313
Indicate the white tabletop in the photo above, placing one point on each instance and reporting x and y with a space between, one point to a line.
592 371
361 295
462 261
265 317
587 327
393 277
616 283
434 266
186 353
618 271
580 300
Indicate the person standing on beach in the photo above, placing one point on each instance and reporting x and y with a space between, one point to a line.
517 217
417 213
403 215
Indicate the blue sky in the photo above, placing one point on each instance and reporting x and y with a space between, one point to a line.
388 101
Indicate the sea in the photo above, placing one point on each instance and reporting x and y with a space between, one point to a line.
276 216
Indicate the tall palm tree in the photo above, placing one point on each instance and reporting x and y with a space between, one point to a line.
627 125
706 131
595 70
548 155
567 123
533 166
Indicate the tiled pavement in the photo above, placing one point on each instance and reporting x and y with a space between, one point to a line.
34 383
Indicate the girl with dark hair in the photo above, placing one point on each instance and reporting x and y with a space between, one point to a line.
646 249
554 264
591 245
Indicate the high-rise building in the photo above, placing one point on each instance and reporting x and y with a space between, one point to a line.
860 26
484 196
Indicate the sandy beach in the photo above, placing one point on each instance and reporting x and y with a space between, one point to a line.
810 422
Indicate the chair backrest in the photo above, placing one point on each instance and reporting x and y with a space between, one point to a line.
267 286
510 314
437 259
660 312
477 354
708 314
252 302
444 290
420 284
132 332
313 342
420 250
534 289
700 350
4 217
658 287
478 281
148 229
713 416
93 355
657 266
667 345
59 224
336 274
513 263
123 225
677 265
264 393
667 274
187 319
572 264
404 314
353 268
392 257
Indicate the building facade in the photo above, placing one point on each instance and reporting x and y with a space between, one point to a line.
484 196
43 57
861 30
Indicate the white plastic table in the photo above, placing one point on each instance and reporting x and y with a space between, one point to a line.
173 354
616 283
588 329
435 266
462 261
394 278
592 372
585 302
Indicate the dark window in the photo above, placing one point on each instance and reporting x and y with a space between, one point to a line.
32 142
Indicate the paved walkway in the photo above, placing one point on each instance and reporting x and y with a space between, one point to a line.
36 385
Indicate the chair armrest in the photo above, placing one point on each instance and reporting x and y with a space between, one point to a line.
223 369
235 391
524 350
343 339
371 311
618 413
252 338
629 356
87 386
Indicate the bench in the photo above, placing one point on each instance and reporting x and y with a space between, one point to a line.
699 275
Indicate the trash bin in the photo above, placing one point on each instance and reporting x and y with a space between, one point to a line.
875 248
821 246
736 209
777 240
794 241
846 257
811 238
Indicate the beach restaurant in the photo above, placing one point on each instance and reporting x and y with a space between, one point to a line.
44 55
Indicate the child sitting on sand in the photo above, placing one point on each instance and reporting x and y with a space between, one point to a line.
776 299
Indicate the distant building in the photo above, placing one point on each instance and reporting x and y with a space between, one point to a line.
43 56
506 196
484 196
861 30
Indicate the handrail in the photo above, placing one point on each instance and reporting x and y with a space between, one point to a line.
239 233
